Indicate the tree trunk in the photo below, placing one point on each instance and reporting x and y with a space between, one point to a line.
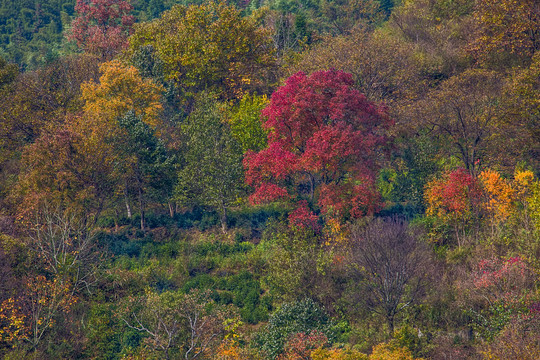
223 217
390 319
116 217
171 209
141 208
126 200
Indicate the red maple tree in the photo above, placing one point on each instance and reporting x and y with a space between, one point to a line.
323 142
102 27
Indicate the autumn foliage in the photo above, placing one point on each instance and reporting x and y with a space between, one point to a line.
323 143
102 27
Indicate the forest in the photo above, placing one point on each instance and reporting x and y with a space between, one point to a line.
270 179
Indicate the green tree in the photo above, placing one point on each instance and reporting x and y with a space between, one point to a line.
212 173
246 124
304 316
147 167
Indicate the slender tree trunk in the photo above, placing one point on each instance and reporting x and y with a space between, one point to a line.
311 187
126 200
223 217
171 209
141 208
116 217
390 319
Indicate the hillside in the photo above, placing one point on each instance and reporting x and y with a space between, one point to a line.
273 180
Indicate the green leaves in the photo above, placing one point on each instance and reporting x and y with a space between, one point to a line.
212 172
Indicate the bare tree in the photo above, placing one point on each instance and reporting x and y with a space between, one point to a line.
464 112
392 266
62 244
171 318
63 239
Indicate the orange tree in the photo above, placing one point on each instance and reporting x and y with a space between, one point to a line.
454 199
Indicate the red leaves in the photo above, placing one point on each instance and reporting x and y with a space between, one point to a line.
272 163
456 194
300 345
303 217
266 193
323 141
103 26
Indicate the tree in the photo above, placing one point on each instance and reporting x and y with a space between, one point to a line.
212 173
499 196
454 199
382 67
146 165
522 113
300 345
391 266
509 26
38 101
209 47
121 89
171 317
464 111
439 31
323 142
56 172
391 352
245 122
61 248
304 316
102 27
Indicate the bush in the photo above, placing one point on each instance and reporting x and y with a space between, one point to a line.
297 317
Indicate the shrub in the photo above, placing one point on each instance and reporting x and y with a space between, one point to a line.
304 316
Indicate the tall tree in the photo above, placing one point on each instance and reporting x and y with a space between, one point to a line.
210 46
392 266
323 143
147 167
121 89
463 113
212 174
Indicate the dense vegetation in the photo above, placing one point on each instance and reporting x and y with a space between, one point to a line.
279 179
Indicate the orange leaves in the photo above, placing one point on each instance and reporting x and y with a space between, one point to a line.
499 195
458 198
453 195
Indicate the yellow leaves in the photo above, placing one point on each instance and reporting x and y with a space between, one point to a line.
12 322
121 88
499 195
523 180
389 352
384 351
336 233
337 354
201 46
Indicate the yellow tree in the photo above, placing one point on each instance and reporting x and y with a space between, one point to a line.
498 196
506 26
210 46
121 90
